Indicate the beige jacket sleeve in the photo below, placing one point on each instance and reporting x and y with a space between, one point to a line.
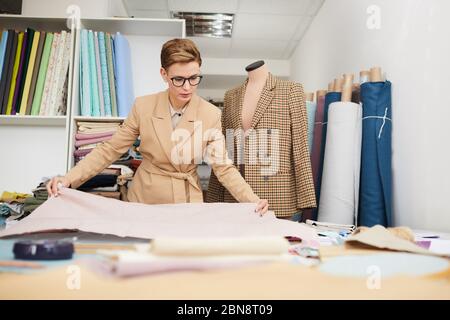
106 153
216 155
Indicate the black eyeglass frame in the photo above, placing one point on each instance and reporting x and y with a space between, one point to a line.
188 79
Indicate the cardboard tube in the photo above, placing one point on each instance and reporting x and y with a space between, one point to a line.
320 93
347 88
338 83
331 86
309 96
375 74
364 76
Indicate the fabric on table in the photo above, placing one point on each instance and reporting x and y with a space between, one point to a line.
76 210
222 246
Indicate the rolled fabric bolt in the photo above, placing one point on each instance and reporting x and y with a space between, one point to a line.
339 195
219 246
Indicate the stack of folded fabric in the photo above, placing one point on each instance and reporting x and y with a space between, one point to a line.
111 182
91 134
103 184
12 206
40 195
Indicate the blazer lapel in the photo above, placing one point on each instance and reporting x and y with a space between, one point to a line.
163 125
264 100
189 124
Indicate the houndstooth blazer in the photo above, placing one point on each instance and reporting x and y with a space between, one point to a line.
280 120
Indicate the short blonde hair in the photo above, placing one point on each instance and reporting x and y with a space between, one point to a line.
179 51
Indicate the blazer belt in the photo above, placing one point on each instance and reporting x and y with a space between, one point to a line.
184 184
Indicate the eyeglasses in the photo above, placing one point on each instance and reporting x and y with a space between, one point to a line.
179 81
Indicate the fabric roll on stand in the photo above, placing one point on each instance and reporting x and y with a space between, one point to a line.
375 205
316 146
332 96
340 179
351 164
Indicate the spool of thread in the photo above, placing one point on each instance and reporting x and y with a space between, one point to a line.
309 96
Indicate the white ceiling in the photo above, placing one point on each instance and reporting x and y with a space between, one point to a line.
265 29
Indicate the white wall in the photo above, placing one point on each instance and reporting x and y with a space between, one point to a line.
413 48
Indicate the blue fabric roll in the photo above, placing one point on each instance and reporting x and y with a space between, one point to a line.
124 77
3 49
375 197
85 90
330 97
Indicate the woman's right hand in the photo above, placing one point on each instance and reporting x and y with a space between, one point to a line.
52 185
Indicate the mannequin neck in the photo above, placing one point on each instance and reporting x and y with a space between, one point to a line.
258 75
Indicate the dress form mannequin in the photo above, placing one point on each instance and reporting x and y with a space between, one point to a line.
279 171
257 76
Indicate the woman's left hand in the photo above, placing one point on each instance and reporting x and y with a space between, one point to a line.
262 206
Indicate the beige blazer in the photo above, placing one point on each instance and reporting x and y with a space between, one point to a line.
168 173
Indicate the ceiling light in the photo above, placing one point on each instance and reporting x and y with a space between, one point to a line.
218 25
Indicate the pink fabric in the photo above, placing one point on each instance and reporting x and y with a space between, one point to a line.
76 210
84 136
162 265
315 153
82 152
79 143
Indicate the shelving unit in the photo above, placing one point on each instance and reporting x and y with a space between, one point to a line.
40 143
47 143
145 37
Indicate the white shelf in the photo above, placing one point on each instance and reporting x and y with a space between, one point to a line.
137 26
19 120
49 140
19 22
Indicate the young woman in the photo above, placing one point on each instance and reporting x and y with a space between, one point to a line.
177 129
